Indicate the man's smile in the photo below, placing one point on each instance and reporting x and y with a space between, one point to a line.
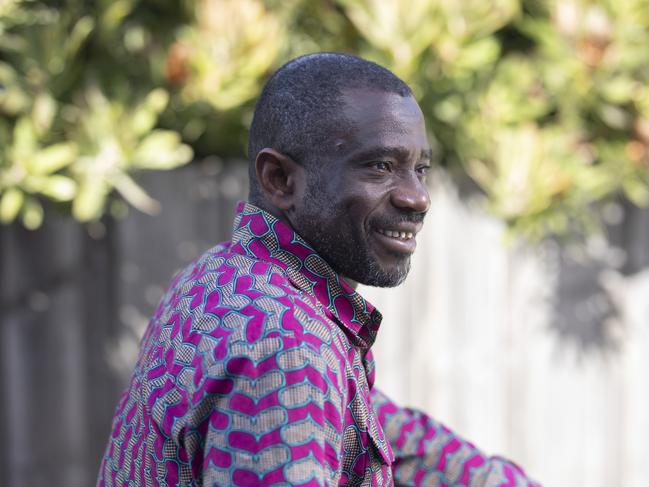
397 240
396 234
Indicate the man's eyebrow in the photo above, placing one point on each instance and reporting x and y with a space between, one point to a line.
394 152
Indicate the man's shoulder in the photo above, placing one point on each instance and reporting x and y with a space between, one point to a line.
233 323
246 297
220 276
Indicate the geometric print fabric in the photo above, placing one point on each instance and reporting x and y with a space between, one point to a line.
256 369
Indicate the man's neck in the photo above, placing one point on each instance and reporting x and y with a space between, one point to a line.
277 213
268 208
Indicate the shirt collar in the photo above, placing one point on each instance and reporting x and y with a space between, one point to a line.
259 234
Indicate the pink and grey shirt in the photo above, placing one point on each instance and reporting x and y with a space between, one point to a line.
256 369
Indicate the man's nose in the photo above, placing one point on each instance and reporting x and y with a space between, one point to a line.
411 194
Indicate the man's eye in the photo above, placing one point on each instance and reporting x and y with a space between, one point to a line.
423 170
382 166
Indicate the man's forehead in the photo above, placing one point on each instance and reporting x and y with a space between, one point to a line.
382 122
367 111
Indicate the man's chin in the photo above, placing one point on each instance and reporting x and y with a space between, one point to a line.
381 277
371 269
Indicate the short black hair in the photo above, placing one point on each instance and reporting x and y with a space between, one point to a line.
300 107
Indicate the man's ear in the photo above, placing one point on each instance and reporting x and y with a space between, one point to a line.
280 178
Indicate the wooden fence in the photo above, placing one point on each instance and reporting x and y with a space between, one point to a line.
538 353
73 303
530 352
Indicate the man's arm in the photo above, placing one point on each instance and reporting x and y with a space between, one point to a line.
428 453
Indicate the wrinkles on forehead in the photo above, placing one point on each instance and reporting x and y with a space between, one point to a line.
372 125
383 122
358 103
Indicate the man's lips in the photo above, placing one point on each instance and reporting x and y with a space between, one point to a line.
398 239
403 235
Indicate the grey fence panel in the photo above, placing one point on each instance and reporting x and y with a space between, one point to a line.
45 372
536 353
73 302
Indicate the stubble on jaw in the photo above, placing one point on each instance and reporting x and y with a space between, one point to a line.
344 249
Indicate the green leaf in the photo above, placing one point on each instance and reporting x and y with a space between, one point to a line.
619 90
53 158
13 99
59 188
32 214
78 36
25 141
157 100
135 195
116 12
161 149
146 115
483 52
89 201
10 203
614 116
43 112
142 121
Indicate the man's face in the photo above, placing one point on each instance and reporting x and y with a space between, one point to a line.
364 204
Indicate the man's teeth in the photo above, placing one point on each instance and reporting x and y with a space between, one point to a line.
393 234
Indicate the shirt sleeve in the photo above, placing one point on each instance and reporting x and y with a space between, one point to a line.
428 453
265 418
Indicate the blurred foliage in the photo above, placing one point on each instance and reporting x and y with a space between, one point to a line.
79 108
543 103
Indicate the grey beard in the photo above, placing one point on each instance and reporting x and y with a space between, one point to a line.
348 255
345 254
379 278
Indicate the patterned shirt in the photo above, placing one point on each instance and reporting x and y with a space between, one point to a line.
256 369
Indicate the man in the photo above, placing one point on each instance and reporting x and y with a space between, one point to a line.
256 368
